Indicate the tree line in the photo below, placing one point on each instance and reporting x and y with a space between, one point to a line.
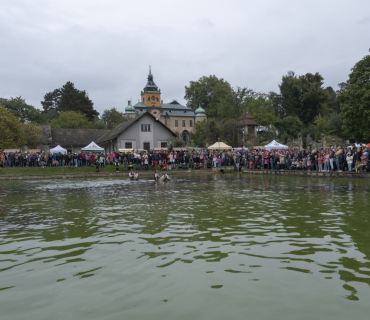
302 105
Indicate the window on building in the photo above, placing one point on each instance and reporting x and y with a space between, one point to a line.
183 123
176 123
163 144
184 111
155 112
149 99
147 146
128 145
143 99
198 121
157 99
191 123
145 127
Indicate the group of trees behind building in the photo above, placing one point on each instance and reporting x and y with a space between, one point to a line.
302 105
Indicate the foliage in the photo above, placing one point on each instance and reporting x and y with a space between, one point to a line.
289 127
355 102
71 120
21 110
262 111
301 96
68 98
112 117
207 92
14 134
235 103
210 130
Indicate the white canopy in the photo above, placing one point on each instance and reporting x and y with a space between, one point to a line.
219 146
92 147
275 145
58 149
358 145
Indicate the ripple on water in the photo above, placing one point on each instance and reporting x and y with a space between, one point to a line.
119 249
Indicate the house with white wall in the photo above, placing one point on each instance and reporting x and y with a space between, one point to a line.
144 131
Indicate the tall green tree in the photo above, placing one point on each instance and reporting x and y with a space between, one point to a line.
68 98
289 127
14 134
235 103
355 102
302 96
262 111
21 110
71 120
207 92
112 117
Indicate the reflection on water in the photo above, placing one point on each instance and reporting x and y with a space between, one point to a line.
200 247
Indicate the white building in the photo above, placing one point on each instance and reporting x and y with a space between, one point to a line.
141 132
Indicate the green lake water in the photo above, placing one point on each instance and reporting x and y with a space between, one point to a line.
197 247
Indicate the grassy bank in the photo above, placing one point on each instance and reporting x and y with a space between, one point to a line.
31 171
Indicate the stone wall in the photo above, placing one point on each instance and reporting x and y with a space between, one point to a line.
295 143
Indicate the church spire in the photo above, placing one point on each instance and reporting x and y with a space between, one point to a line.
151 86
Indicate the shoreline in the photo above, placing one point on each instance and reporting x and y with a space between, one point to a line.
99 174
334 174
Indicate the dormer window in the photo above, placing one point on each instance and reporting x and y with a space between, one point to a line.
141 109
155 112
184 111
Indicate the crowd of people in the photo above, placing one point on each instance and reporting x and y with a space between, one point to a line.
324 160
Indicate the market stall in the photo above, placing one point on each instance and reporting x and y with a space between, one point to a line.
275 145
220 146
58 149
92 147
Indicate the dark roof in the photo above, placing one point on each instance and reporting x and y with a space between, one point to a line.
247 119
116 131
45 135
177 110
75 137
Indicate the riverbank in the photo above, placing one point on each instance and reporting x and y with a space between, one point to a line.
110 171
81 172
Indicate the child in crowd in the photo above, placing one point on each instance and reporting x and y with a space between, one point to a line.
97 165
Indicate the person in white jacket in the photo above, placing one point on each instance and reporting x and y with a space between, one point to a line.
349 159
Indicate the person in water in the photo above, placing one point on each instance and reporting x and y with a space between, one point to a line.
156 175
132 174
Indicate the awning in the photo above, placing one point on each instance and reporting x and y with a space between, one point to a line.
93 147
275 145
220 146
12 150
58 149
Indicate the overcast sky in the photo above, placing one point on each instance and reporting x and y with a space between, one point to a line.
105 47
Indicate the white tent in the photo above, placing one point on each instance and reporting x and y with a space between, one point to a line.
93 147
58 149
275 145
219 146
357 145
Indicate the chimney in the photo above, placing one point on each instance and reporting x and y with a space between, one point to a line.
161 102
129 102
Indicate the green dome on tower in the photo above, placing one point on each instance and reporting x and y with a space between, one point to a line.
200 112
130 108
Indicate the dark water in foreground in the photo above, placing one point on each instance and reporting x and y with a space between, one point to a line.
212 247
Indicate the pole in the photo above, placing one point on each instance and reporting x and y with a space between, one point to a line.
243 138
218 143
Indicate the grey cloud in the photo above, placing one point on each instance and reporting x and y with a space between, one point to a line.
106 50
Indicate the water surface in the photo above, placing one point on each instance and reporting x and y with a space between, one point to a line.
198 247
